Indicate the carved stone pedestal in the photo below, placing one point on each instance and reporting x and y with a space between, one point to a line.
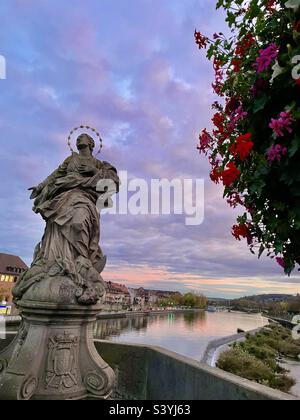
53 356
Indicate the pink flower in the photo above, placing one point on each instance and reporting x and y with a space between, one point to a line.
240 114
280 261
266 57
236 116
284 122
276 152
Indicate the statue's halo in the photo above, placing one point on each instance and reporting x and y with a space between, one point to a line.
84 127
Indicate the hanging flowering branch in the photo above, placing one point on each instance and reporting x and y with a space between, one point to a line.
254 146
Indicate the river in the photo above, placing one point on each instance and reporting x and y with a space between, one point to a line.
185 333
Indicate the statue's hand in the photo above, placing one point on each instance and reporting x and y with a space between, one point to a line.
86 170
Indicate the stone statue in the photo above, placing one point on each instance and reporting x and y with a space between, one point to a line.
53 356
69 250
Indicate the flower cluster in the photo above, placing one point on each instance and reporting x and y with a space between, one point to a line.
242 147
244 45
283 123
266 57
254 148
201 40
234 199
205 139
270 5
276 152
242 231
230 174
218 83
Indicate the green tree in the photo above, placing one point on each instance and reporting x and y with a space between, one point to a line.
194 301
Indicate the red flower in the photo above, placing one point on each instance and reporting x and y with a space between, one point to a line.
241 231
235 199
215 175
270 5
298 82
218 88
218 84
296 27
205 139
280 261
232 105
223 130
243 146
216 105
236 63
230 174
201 40
244 45
217 64
219 120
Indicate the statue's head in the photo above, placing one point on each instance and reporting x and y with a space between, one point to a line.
83 141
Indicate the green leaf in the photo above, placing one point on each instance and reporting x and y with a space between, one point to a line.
286 178
257 186
295 144
260 103
220 4
230 19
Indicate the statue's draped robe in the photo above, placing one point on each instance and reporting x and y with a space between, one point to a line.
67 202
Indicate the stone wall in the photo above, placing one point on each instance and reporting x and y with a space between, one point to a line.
152 373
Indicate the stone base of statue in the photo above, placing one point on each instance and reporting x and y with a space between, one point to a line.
53 356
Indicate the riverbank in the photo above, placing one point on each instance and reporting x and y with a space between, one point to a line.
128 314
216 347
264 354
11 320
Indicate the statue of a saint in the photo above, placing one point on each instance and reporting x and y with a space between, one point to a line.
69 250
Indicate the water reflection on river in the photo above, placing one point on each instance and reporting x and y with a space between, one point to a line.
186 333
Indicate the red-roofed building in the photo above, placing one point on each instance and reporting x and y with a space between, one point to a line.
11 268
140 298
116 296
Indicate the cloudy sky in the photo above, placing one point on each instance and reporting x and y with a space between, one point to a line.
131 69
